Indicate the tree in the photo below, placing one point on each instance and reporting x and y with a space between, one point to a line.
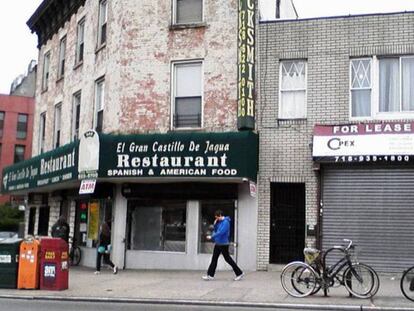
10 217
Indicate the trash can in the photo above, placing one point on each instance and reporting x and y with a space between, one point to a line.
9 257
54 273
29 263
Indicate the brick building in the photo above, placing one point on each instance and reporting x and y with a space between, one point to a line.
141 97
336 131
16 124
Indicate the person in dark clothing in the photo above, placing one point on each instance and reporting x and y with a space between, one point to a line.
61 229
220 237
103 249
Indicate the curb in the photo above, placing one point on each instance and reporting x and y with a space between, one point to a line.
263 305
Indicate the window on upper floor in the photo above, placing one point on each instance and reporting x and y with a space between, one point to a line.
99 104
22 126
80 42
42 133
382 87
57 128
102 22
62 53
76 105
45 77
187 11
187 95
19 153
2 115
292 96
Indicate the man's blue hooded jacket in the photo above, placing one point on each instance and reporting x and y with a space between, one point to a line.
221 232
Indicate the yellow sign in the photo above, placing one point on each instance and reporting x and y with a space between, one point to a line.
93 227
50 255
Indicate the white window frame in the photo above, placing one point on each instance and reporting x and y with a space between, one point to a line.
62 56
46 71
173 84
76 101
103 7
175 11
305 113
372 88
375 113
57 125
102 101
80 41
42 132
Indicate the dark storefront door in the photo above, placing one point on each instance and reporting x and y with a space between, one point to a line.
287 222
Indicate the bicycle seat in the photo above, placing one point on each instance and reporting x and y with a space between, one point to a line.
311 254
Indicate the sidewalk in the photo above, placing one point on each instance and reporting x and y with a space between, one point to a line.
256 289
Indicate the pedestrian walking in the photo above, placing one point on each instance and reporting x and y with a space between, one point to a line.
220 237
104 249
61 229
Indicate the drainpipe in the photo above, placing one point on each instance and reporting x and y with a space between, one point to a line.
277 8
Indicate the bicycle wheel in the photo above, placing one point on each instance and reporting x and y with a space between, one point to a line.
75 256
298 279
407 284
361 280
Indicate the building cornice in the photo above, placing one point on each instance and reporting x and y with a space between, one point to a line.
50 16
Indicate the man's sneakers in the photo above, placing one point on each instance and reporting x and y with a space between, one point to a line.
115 269
97 272
239 277
207 277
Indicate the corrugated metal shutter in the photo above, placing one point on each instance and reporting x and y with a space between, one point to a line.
375 208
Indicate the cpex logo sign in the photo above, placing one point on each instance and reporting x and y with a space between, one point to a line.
337 143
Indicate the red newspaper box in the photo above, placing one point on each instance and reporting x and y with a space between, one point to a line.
54 273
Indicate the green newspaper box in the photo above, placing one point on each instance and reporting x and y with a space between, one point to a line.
9 256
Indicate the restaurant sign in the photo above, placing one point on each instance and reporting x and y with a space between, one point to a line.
220 155
49 168
364 142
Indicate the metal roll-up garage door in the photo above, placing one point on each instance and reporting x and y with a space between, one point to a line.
375 208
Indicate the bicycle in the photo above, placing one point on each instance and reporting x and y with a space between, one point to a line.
301 279
407 283
75 254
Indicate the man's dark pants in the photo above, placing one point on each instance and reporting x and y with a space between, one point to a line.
222 249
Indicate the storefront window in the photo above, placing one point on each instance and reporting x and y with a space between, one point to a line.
207 211
157 226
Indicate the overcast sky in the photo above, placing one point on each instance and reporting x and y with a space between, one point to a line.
18 45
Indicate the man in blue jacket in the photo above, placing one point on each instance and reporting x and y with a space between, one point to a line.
220 236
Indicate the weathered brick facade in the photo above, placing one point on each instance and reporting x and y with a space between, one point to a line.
327 44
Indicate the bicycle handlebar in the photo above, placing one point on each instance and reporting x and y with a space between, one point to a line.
349 244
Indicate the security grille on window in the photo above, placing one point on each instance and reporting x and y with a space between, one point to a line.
99 105
45 78
292 101
103 18
62 53
58 125
42 133
76 115
1 123
21 126
361 87
187 95
19 153
80 42
188 11
393 84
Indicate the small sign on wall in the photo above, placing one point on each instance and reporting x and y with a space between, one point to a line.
87 186
253 189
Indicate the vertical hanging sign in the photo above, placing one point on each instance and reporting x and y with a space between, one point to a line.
246 65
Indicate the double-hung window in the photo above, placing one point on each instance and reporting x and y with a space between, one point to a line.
45 77
80 42
187 98
42 133
62 55
292 99
21 126
99 104
2 114
102 22
76 115
58 126
382 87
188 11
19 151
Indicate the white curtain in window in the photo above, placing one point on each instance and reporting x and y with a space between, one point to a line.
389 88
293 105
188 80
293 90
361 103
407 84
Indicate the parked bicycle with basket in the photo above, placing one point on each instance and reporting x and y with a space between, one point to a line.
301 279
75 254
